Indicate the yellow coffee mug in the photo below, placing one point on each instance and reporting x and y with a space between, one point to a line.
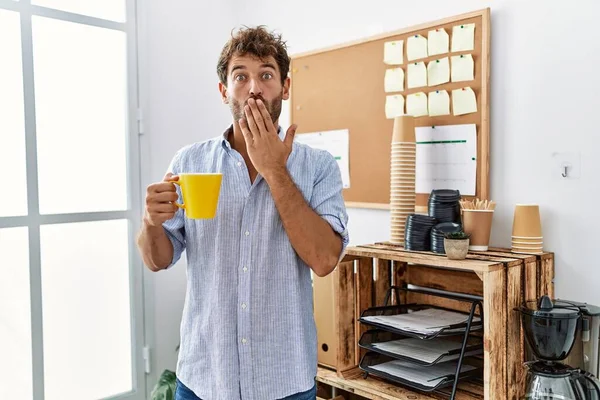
200 193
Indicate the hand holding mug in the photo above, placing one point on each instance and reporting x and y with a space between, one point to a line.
160 201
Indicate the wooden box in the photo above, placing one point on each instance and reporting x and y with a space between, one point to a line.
503 279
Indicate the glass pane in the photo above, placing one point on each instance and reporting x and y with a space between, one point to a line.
106 9
15 315
86 306
81 110
12 124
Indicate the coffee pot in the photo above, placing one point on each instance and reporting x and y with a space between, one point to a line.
550 330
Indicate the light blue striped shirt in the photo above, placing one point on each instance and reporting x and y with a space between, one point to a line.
247 330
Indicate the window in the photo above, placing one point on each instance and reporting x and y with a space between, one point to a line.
70 311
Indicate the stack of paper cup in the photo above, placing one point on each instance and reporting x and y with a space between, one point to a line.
402 189
527 229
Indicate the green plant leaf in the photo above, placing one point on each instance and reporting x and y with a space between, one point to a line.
457 235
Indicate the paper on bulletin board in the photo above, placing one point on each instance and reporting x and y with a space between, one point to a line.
464 101
394 80
463 68
438 72
438 42
336 142
446 158
416 47
394 106
417 75
416 104
463 37
393 52
439 103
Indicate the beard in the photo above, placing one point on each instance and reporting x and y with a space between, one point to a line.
273 107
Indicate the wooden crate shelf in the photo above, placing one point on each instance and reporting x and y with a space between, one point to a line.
503 279
377 389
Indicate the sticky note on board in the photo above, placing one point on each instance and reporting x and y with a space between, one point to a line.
463 37
438 42
394 80
416 104
438 71
417 75
393 52
463 101
462 68
439 103
416 47
394 106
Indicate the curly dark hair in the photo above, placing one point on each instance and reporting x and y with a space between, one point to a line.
258 42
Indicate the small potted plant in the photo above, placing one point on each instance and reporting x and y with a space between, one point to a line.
456 245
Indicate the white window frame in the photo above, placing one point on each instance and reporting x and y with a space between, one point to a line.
33 220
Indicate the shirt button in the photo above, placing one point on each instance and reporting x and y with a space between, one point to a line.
239 164
244 306
244 340
245 269
246 233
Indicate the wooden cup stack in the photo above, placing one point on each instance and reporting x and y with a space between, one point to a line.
402 186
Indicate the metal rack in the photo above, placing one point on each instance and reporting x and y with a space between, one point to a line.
461 358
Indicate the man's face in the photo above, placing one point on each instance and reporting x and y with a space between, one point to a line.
249 77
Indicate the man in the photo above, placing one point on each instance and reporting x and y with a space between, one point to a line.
247 330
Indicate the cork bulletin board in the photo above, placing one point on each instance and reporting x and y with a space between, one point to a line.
342 87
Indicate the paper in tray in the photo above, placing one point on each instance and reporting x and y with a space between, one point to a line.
427 321
425 351
426 376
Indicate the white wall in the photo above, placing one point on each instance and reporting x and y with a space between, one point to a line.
542 100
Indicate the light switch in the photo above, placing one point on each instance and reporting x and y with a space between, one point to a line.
566 165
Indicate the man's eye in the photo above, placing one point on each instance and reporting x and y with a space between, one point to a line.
240 78
267 75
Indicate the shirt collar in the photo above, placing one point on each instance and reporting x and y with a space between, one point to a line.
229 131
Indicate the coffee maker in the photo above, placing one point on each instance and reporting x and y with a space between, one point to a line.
551 328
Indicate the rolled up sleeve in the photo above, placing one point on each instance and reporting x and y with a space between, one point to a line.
175 227
327 200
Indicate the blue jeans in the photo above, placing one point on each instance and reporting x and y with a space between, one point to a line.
184 393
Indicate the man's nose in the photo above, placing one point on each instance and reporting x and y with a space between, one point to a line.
255 88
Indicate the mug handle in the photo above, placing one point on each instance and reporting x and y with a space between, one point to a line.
176 203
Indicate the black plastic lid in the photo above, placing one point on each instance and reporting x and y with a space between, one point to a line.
585 308
546 308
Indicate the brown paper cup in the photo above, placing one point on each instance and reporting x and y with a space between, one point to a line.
526 251
403 144
403 168
479 224
524 243
404 149
527 246
404 129
526 222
